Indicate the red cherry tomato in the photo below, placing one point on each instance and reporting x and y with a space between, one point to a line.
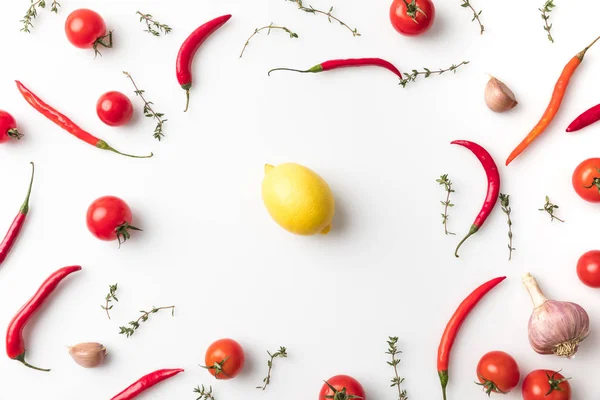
586 180
498 372
341 383
588 268
8 127
224 359
114 108
109 218
543 384
85 28
413 20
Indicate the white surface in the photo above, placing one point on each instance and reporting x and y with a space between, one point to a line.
210 248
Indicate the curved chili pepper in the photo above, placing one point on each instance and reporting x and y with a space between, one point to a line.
15 345
188 50
461 313
65 123
146 382
586 118
15 228
557 96
351 62
493 177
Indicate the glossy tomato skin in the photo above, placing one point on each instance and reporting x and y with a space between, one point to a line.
588 268
114 109
227 352
84 27
500 369
405 25
7 122
339 382
584 176
536 386
105 215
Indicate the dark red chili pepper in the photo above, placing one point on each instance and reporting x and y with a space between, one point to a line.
15 228
65 123
15 345
188 50
586 118
146 382
461 313
351 62
493 177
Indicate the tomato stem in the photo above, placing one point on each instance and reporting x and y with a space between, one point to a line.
100 42
15 134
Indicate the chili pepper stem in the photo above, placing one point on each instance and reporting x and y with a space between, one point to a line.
472 231
444 381
582 53
21 358
15 134
315 69
105 146
25 207
187 88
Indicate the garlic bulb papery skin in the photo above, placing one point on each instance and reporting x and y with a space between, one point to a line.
555 327
88 355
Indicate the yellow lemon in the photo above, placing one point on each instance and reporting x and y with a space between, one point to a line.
298 199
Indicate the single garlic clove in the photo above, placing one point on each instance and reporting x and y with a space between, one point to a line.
88 355
498 97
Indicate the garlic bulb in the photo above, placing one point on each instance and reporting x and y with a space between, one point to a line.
498 96
555 327
88 355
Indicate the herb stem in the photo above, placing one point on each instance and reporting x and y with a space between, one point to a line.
467 3
269 27
328 14
396 380
148 110
282 353
204 394
129 331
412 76
447 183
151 24
112 291
32 13
546 10
549 208
505 203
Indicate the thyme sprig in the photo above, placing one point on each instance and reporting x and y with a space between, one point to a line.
269 28
112 295
204 394
476 15
134 325
549 208
447 183
149 111
32 13
505 203
329 14
281 353
396 380
153 26
546 10
412 76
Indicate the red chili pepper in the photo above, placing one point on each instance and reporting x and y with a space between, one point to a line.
463 310
586 118
146 382
351 62
65 123
493 177
15 228
188 51
15 345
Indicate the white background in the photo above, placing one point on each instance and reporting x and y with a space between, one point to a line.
210 248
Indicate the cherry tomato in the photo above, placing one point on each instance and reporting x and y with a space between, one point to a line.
413 20
588 268
498 372
543 384
586 180
114 108
341 384
109 218
8 127
85 28
224 359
